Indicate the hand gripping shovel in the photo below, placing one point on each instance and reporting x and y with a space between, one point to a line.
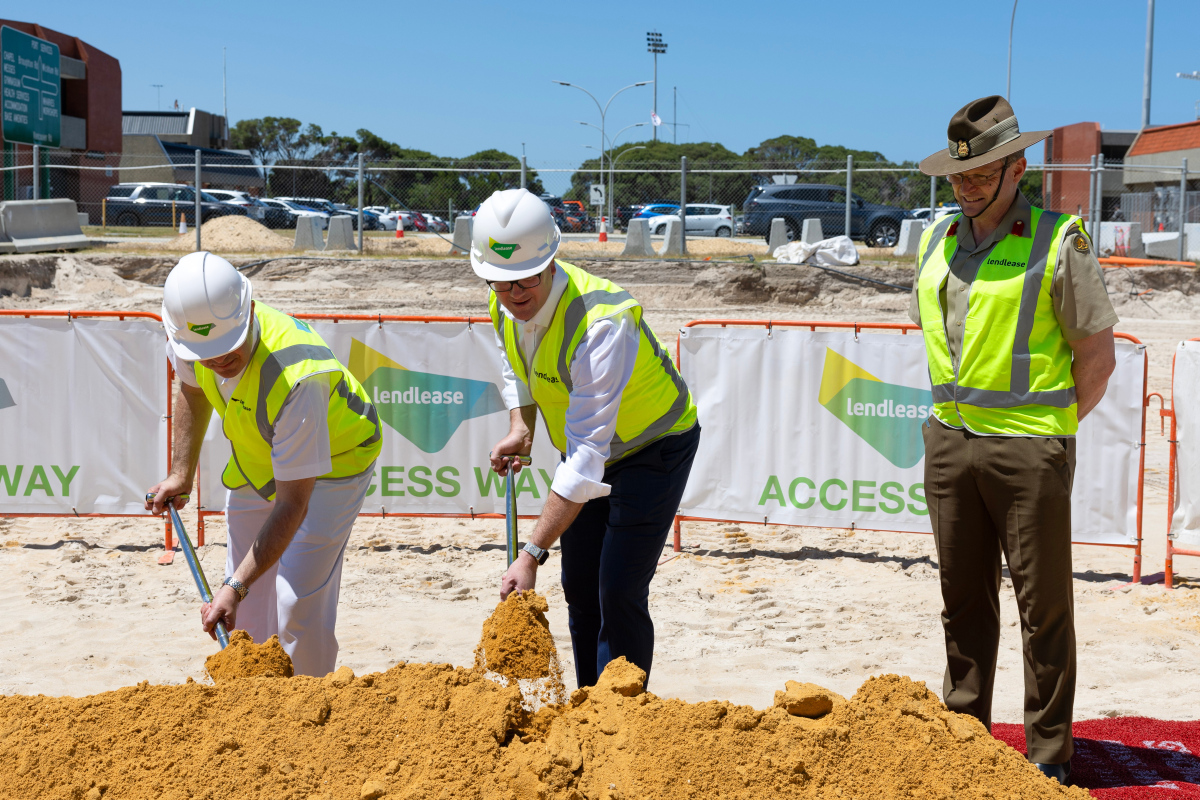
193 563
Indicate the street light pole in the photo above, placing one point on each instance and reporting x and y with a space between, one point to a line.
612 145
603 113
1149 64
612 168
1008 85
655 45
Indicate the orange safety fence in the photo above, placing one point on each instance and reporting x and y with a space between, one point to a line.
905 328
1124 261
202 512
168 541
1172 494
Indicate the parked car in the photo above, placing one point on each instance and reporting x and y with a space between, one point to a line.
576 209
273 216
703 219
437 224
387 217
138 204
656 209
297 210
370 218
923 213
622 214
239 198
877 225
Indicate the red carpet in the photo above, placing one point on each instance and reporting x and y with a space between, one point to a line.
1129 758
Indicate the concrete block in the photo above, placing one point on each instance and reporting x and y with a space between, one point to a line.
1162 244
32 226
777 237
83 218
308 234
341 234
463 226
637 239
1191 241
1120 239
673 238
910 237
811 233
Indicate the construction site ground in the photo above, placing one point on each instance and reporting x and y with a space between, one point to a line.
742 609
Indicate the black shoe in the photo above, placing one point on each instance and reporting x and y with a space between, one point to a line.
1059 772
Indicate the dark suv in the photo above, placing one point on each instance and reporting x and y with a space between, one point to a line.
877 225
140 204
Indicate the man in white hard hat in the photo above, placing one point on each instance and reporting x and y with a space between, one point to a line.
304 437
576 347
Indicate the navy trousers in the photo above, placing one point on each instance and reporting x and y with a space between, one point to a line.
611 550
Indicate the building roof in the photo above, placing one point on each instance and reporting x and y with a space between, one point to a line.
1166 139
232 167
156 122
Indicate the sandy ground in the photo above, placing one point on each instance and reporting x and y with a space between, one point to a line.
86 607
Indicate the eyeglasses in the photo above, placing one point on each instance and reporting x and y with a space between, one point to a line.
977 180
507 286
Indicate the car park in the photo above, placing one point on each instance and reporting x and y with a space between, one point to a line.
436 224
923 213
143 204
656 209
703 219
877 225
387 217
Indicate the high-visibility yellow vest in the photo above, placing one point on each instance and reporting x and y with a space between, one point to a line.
656 402
1013 373
289 351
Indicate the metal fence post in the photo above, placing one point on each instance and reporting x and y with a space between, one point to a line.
360 203
198 209
849 184
683 202
1183 173
1091 210
37 172
524 168
1099 195
932 196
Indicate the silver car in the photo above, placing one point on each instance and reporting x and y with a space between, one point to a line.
703 219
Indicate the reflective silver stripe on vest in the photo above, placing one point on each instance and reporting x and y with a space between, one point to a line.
935 240
1035 272
619 448
265 492
572 317
270 372
364 409
990 398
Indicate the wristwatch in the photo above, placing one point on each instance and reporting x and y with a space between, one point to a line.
237 586
538 553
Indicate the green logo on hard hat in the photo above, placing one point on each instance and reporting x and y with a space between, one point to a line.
501 249
203 330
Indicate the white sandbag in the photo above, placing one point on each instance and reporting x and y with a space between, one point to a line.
837 251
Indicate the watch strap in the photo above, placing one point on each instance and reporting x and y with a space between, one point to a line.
538 553
237 586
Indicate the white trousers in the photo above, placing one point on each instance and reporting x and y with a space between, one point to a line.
297 598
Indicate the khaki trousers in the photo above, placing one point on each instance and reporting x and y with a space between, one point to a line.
989 495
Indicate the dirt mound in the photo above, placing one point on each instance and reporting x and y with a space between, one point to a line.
425 730
516 645
232 234
242 658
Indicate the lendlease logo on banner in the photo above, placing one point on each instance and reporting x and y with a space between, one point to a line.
886 416
6 398
423 407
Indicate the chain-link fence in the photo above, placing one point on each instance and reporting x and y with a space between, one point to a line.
724 198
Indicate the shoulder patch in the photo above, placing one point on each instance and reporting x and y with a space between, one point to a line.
1081 243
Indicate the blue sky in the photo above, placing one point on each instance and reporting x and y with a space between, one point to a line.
455 78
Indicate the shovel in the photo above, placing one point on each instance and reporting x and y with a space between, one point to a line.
193 563
510 509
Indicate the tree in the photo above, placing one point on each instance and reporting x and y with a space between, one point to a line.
272 139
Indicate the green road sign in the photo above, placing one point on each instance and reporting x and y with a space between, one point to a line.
32 89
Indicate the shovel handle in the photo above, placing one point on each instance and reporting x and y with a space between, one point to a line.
189 553
510 517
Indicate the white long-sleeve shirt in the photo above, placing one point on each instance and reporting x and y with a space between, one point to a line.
602 367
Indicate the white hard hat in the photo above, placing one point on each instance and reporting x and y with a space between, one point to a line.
513 236
206 307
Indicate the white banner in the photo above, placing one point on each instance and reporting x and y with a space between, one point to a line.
1185 395
824 429
437 388
83 424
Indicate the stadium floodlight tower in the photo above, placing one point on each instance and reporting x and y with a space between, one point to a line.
655 45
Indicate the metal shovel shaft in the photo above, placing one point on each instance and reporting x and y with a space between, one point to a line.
189 553
510 516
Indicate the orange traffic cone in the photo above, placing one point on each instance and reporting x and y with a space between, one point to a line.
603 230
399 227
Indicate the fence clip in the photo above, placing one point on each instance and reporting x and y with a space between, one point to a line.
380 321
73 511
383 512
472 508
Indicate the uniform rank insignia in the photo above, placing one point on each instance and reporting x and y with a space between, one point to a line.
1081 244
964 149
